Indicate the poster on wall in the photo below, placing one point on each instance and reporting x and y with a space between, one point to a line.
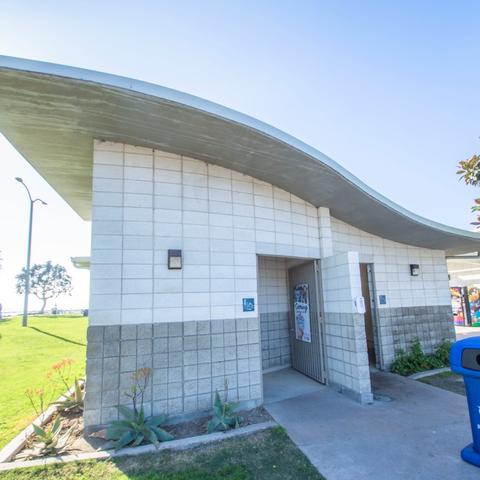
302 313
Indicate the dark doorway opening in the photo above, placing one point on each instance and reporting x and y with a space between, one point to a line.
366 275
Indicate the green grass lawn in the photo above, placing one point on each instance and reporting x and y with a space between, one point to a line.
27 355
267 455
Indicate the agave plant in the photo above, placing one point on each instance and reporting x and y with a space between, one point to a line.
74 402
224 417
135 429
48 441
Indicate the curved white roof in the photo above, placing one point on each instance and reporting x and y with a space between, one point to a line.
51 113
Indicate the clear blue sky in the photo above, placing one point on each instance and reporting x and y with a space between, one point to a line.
390 90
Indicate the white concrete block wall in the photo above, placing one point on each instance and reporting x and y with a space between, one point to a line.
272 285
325 232
392 267
341 282
347 359
146 202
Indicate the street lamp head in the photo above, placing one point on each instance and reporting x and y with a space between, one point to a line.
43 203
18 179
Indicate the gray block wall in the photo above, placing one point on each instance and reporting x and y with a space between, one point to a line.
399 327
346 352
189 362
275 335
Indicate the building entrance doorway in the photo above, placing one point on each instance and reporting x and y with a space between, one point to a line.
366 276
292 347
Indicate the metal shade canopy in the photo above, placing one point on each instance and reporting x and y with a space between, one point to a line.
52 113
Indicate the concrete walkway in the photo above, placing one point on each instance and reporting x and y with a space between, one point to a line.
287 383
465 332
417 435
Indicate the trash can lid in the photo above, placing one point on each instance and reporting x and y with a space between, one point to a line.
456 352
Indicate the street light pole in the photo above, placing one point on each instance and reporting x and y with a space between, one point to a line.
29 250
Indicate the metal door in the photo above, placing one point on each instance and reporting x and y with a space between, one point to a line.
305 321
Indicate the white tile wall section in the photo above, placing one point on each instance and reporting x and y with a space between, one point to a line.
347 359
341 282
146 202
392 267
325 232
272 285
273 307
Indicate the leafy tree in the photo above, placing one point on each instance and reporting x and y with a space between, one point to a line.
469 171
47 281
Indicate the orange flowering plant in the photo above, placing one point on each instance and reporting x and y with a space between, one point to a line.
137 391
63 371
60 373
40 398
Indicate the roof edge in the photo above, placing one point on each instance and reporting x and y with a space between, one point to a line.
215 109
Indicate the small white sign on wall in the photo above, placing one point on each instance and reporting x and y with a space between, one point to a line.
359 303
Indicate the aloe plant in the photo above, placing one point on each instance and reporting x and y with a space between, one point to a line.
48 441
224 417
136 429
74 402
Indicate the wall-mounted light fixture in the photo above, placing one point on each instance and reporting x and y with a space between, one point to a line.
414 270
174 259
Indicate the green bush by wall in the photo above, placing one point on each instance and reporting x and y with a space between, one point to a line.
417 361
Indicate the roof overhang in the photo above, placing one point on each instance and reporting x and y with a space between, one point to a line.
52 113
464 271
81 262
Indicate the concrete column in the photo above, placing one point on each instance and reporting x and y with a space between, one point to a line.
346 347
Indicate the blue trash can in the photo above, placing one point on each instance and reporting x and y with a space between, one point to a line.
465 360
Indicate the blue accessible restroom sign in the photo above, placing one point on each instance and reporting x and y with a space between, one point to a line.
248 304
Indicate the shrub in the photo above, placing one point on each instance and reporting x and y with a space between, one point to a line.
417 361
135 428
224 417
442 354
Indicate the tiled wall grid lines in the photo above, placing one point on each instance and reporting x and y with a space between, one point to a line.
273 298
219 218
399 327
392 267
145 202
189 361
346 350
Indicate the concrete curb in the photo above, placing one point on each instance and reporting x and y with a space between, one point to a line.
18 442
428 373
182 444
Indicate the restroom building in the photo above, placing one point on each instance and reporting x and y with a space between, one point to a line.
221 246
